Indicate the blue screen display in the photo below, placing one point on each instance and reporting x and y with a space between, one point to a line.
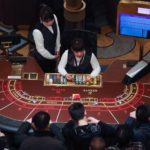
134 25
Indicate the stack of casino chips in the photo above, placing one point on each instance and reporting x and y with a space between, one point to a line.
57 79
78 79
81 80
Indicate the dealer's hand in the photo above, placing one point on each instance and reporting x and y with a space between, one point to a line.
88 78
69 77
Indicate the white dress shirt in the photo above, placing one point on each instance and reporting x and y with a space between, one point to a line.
39 41
63 62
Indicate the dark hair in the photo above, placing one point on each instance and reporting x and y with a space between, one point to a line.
97 143
124 134
76 111
143 113
46 13
77 45
41 120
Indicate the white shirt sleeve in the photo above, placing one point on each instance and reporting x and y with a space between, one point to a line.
62 64
95 65
57 47
39 43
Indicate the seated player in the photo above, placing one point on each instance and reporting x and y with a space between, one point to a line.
76 60
124 136
41 138
141 124
79 131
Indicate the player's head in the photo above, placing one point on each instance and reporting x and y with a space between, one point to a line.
124 134
76 111
46 16
143 113
78 47
97 143
40 120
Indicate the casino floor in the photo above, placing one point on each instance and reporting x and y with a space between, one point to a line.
102 40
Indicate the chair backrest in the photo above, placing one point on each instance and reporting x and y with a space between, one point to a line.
90 39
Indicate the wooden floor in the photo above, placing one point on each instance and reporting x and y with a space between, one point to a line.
101 41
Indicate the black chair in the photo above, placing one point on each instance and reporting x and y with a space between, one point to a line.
90 39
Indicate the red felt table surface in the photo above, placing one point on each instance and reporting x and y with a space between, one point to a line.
112 103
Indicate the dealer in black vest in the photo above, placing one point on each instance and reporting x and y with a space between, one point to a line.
46 35
77 61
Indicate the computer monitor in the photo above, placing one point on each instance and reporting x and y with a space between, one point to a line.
133 18
134 25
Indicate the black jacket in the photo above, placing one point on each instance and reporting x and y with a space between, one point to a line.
42 141
25 133
78 137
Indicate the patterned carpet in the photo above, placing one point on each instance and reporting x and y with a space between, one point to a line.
121 46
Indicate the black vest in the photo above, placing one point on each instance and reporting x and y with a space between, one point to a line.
49 38
84 66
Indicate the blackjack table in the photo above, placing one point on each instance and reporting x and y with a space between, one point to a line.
111 102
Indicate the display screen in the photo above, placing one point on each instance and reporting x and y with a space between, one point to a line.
145 11
134 25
